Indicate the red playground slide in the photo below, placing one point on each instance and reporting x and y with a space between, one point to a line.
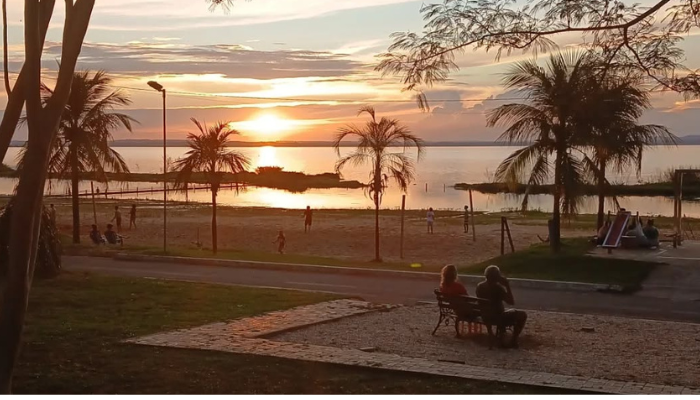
617 229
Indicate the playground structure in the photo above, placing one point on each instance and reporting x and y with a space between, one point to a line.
616 231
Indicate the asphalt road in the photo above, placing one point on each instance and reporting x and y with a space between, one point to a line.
391 290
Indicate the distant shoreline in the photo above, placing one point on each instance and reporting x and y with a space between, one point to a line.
684 141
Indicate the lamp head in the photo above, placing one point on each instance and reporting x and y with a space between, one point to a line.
155 85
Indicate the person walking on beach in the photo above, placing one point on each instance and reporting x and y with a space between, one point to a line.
132 216
431 219
281 241
52 215
117 218
308 217
466 219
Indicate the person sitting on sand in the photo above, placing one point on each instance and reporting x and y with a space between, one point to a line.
113 237
280 241
449 284
431 219
496 289
651 233
95 236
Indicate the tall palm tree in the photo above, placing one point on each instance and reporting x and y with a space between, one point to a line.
82 144
375 139
551 123
210 158
617 141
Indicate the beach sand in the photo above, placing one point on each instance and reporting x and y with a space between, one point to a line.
341 234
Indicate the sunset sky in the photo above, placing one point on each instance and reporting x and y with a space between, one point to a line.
314 51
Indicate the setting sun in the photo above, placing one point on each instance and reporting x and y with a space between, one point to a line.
267 126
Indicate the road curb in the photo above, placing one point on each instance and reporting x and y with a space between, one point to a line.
471 280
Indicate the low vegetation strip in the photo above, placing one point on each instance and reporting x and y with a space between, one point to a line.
272 177
76 323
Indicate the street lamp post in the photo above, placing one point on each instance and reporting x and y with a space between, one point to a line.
160 88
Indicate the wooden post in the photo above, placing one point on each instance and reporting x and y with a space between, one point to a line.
94 210
510 238
680 208
426 188
471 207
444 187
503 235
403 209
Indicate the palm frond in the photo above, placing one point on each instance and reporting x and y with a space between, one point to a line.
209 155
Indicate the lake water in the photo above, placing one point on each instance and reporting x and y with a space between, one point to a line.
440 168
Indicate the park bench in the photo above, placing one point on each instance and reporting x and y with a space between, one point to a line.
472 310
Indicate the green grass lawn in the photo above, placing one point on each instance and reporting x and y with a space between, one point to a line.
76 323
228 254
535 262
572 264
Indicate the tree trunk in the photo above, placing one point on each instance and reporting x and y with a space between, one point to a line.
74 178
376 228
42 123
555 236
5 62
23 244
377 193
15 101
601 194
213 221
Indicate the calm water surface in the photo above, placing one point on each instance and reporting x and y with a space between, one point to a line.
440 168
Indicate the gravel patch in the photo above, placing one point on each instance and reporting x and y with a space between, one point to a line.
568 344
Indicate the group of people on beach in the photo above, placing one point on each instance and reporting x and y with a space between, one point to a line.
496 289
110 235
430 218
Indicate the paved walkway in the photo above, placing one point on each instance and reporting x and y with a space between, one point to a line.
246 336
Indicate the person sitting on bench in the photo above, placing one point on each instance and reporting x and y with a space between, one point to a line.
112 236
496 289
95 236
449 285
651 233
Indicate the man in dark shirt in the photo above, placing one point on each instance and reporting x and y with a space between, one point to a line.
466 219
496 289
308 217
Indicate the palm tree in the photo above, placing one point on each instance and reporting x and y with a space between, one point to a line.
210 158
82 144
551 123
616 140
374 140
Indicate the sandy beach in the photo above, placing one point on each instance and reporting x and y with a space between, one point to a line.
340 234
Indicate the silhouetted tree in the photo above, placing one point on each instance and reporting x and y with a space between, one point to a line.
374 149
